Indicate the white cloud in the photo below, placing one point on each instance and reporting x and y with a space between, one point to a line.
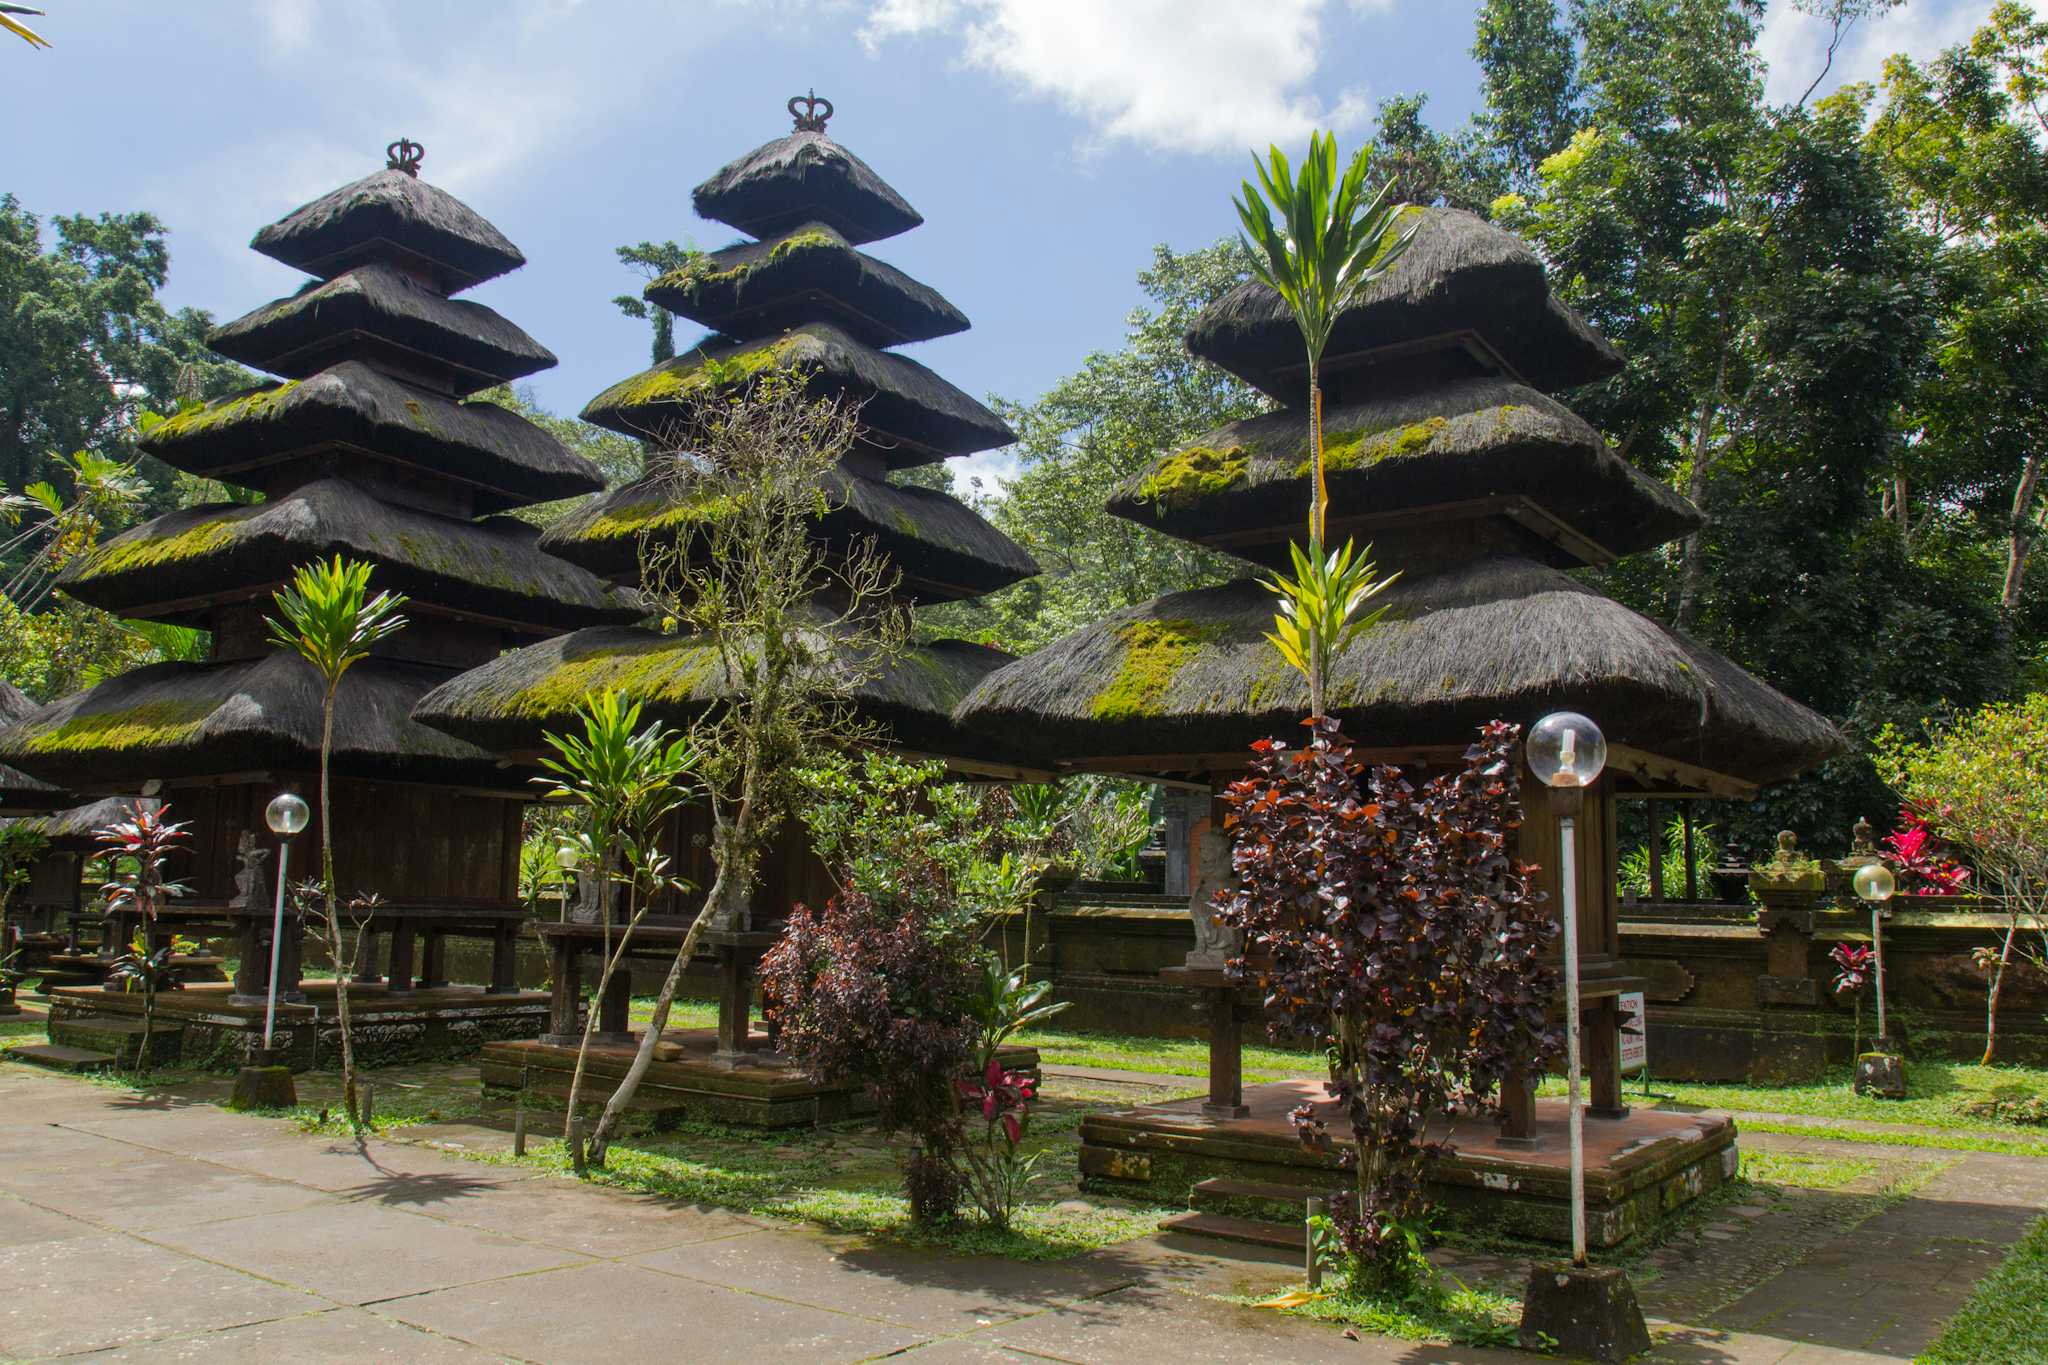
1178 75
288 23
1795 44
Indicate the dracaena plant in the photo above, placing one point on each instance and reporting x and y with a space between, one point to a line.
994 1164
328 617
138 852
1390 923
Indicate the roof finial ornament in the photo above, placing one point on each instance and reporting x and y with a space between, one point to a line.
810 120
404 155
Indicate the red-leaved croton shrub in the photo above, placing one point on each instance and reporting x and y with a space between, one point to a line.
879 1000
1924 864
1392 924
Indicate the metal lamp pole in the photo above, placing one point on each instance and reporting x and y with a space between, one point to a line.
286 815
1568 752
1875 885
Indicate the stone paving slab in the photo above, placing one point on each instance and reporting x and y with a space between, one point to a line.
593 1222
361 1253
22 1222
351 1334
607 1312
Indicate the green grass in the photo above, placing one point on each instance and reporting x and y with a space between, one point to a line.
1804 1170
1447 1311
2005 1321
1939 1094
1165 1056
1950 1141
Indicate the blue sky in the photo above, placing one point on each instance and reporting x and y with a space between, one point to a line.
1048 143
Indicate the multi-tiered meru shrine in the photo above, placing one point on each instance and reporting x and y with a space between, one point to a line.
1446 453
801 299
371 447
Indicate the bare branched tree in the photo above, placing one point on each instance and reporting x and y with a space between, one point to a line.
792 629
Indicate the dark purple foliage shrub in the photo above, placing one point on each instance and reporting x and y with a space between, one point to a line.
1392 923
881 1001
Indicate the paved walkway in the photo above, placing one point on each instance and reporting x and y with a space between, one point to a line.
150 1230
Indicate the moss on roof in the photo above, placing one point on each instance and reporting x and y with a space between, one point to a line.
149 725
1154 651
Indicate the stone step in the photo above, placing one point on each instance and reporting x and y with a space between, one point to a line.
119 1036
1255 1199
1243 1231
58 1057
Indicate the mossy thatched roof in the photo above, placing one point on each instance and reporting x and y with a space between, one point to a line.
165 567
944 549
18 791
1460 278
77 828
376 311
1429 446
807 274
1497 637
803 178
179 720
262 437
391 216
505 705
909 415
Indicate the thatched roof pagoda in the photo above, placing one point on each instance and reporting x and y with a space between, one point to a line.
804 300
365 449
21 794
1446 452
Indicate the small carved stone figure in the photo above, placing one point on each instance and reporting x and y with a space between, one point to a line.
1214 943
1863 839
252 883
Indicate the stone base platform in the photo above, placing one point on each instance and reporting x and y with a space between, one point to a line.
1638 1168
686 1080
220 1032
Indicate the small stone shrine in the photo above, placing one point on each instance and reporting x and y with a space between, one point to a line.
371 447
1447 453
801 298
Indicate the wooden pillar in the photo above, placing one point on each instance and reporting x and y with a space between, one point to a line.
403 937
735 1005
615 1008
1654 810
566 1000
1518 1112
434 962
366 955
505 959
1692 876
252 972
291 960
1226 1056
1601 1053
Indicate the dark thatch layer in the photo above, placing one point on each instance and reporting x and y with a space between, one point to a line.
77 828
1437 444
391 216
1460 277
805 275
19 791
1495 637
215 719
944 548
262 437
803 178
909 415
375 311
493 568
505 705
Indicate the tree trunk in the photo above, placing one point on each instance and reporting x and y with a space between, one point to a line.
341 964
1318 517
2012 929
2025 529
1692 576
612 958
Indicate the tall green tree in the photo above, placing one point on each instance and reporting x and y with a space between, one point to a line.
652 260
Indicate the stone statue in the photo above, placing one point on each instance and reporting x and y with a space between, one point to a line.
1214 943
1863 839
252 884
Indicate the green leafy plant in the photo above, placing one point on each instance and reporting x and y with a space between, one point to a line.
1632 868
139 852
21 846
1320 609
331 621
626 780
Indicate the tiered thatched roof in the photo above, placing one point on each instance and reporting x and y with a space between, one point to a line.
391 216
908 414
506 705
251 716
276 435
173 565
21 794
1462 282
942 548
802 178
77 829
1243 487
375 311
807 274
1191 675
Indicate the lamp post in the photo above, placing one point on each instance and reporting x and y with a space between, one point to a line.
1567 753
286 815
1576 1309
1881 1072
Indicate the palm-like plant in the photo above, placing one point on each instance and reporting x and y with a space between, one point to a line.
332 622
138 852
14 26
1329 245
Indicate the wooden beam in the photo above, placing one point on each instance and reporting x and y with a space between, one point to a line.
1668 777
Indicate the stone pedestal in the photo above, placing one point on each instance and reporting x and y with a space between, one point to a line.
1881 1074
1582 1312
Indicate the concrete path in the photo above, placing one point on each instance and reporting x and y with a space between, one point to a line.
136 1229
